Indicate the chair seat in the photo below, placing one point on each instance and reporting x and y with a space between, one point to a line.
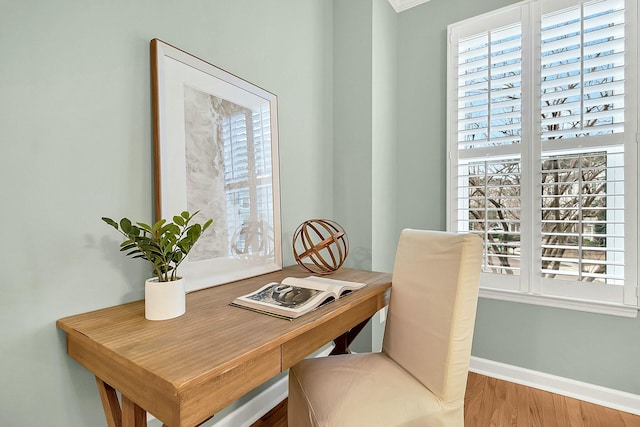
363 390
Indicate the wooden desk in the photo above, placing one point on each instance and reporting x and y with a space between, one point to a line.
186 369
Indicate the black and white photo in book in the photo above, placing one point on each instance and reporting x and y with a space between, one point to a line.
295 296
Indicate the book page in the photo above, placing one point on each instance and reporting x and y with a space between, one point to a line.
284 295
323 283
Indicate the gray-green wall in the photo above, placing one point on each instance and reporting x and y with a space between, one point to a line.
362 140
76 144
364 119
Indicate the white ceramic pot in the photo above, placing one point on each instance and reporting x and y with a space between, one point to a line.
164 300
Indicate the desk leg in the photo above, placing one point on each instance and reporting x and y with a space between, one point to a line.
343 342
130 414
110 404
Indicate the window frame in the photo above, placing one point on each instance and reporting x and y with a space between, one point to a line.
530 287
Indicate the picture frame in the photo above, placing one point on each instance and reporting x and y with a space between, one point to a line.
216 152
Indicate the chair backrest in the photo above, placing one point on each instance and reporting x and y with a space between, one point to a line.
433 308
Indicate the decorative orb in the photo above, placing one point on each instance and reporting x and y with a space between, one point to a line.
320 246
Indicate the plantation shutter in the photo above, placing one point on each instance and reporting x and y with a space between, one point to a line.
583 70
583 217
489 205
542 157
489 134
489 88
582 99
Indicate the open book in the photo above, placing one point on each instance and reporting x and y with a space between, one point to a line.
295 296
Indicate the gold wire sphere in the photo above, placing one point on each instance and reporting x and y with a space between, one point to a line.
320 246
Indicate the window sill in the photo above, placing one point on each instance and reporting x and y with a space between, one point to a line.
559 302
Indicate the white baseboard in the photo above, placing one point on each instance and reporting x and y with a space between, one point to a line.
620 400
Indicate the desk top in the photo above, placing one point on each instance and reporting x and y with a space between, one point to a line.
185 369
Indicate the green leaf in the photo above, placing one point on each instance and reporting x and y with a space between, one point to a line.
129 247
144 226
136 252
110 222
178 220
125 224
165 241
165 229
194 232
150 248
158 225
140 240
170 228
127 243
134 231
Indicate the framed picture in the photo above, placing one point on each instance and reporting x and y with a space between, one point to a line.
216 152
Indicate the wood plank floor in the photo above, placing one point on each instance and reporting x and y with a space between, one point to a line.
493 402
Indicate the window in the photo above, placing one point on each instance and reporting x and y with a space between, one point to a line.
247 168
543 150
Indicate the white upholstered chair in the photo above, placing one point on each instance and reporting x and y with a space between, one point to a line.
419 378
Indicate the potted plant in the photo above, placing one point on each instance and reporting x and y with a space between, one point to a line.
165 245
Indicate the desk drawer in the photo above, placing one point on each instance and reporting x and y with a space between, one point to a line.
201 401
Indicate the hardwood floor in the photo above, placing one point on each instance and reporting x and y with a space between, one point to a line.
277 417
493 402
